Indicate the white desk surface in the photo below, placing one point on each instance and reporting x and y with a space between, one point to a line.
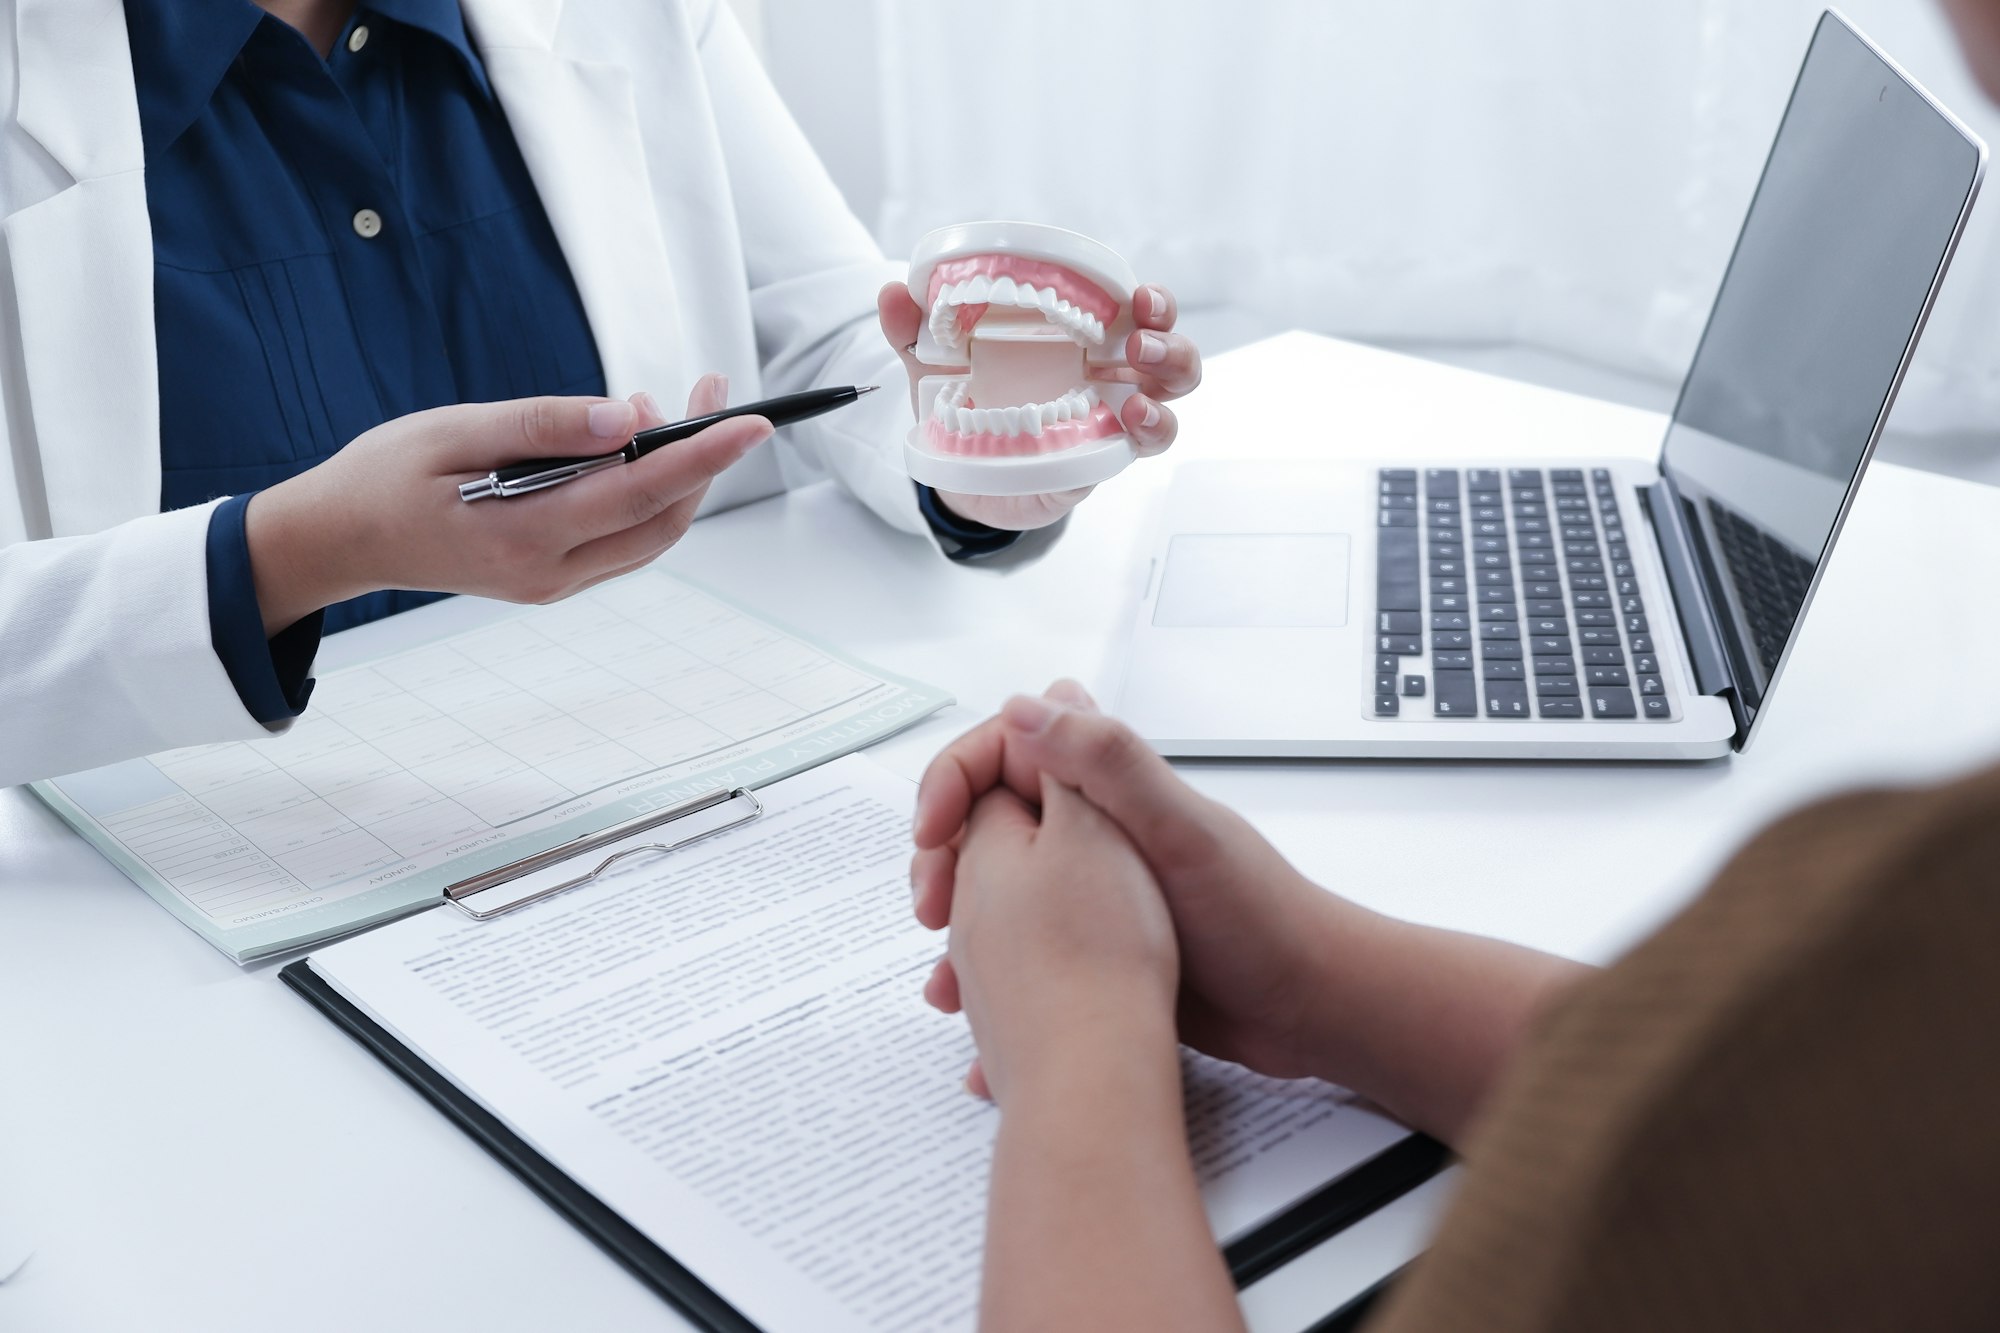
184 1144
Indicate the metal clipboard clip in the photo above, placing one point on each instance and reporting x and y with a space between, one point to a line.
456 894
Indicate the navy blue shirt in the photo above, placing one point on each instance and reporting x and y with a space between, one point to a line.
336 243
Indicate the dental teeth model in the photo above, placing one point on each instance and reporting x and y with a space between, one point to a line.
1017 316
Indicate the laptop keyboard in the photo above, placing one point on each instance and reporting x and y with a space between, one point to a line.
1771 581
1509 594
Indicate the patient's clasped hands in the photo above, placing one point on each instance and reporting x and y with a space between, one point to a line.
1057 954
1131 907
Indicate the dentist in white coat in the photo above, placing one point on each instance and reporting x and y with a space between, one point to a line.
699 231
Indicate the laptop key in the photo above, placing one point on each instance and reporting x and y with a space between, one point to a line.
1498 592
1398 622
1448 602
1652 685
1497 670
1545 606
1555 666
1487 578
1456 661
1587 582
1413 687
1612 702
1500 652
1394 500
1555 687
1603 657
1538 587
1642 643
1398 518
1498 611
1387 662
1506 698
1386 705
1597 619
1551 645
1607 675
1593 600
1559 707
1450 620
1385 683
1452 639
1599 637
1499 629
1552 626
1399 595
1635 624
1657 707
1447 585
1400 645
1455 696
1482 479
1647 665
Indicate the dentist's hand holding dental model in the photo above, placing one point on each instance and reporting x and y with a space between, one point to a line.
1163 365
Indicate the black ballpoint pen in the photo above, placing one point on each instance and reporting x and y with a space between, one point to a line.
539 473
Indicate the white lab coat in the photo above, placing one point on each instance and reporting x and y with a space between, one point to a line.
701 231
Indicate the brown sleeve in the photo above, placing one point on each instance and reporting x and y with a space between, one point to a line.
1780 1113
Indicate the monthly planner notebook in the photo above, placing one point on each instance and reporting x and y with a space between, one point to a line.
718 1062
489 733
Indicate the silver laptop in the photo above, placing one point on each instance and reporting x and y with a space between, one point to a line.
1583 608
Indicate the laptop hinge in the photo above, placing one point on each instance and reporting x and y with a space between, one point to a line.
1713 672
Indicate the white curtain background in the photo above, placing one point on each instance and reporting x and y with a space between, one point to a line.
1566 175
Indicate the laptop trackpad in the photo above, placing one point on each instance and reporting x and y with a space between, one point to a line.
1259 580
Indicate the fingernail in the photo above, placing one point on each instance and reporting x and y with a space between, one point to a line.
1073 694
1156 302
721 385
1029 715
612 421
1151 416
650 405
1152 348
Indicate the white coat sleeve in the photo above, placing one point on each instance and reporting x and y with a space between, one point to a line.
814 271
105 652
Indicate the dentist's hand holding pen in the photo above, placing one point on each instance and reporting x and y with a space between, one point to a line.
384 512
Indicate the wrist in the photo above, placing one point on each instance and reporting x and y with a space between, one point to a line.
1339 943
1113 1039
300 560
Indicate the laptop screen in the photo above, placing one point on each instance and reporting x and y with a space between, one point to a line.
1846 239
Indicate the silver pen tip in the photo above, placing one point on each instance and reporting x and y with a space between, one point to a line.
865 388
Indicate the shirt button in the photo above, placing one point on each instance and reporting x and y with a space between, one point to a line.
358 38
367 224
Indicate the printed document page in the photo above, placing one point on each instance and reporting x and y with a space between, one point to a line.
431 764
728 1046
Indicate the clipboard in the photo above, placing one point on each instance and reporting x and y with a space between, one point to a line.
1332 1208
460 893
